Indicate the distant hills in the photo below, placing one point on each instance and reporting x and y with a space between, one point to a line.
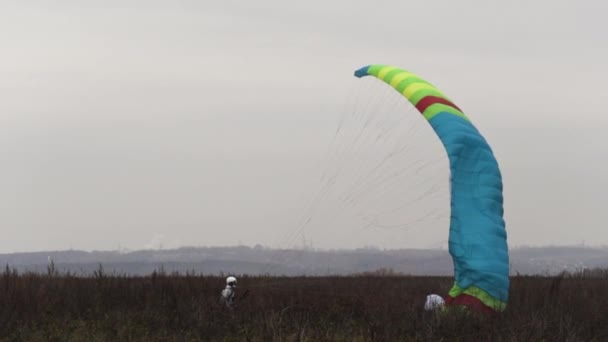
261 260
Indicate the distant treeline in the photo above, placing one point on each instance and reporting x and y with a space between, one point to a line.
265 261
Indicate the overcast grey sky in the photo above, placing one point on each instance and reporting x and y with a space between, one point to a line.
147 123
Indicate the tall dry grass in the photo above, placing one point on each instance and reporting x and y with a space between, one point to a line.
184 307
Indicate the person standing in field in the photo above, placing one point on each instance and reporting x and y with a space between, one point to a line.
229 293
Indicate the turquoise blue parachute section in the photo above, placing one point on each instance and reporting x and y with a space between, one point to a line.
478 239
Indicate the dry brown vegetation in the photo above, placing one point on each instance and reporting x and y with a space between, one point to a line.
173 307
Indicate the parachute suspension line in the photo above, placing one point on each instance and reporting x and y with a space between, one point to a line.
375 224
433 189
354 147
365 158
378 183
338 131
326 181
354 193
360 141
381 137
432 192
328 178
395 152
343 150
351 148
371 134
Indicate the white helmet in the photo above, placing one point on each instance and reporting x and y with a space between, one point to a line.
433 302
231 281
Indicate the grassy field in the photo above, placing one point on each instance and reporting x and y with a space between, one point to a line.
164 307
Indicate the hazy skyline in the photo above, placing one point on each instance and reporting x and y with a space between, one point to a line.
141 123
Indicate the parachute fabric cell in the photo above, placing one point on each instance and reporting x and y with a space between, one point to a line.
477 235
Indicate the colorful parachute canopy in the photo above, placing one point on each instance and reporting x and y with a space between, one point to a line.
477 238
